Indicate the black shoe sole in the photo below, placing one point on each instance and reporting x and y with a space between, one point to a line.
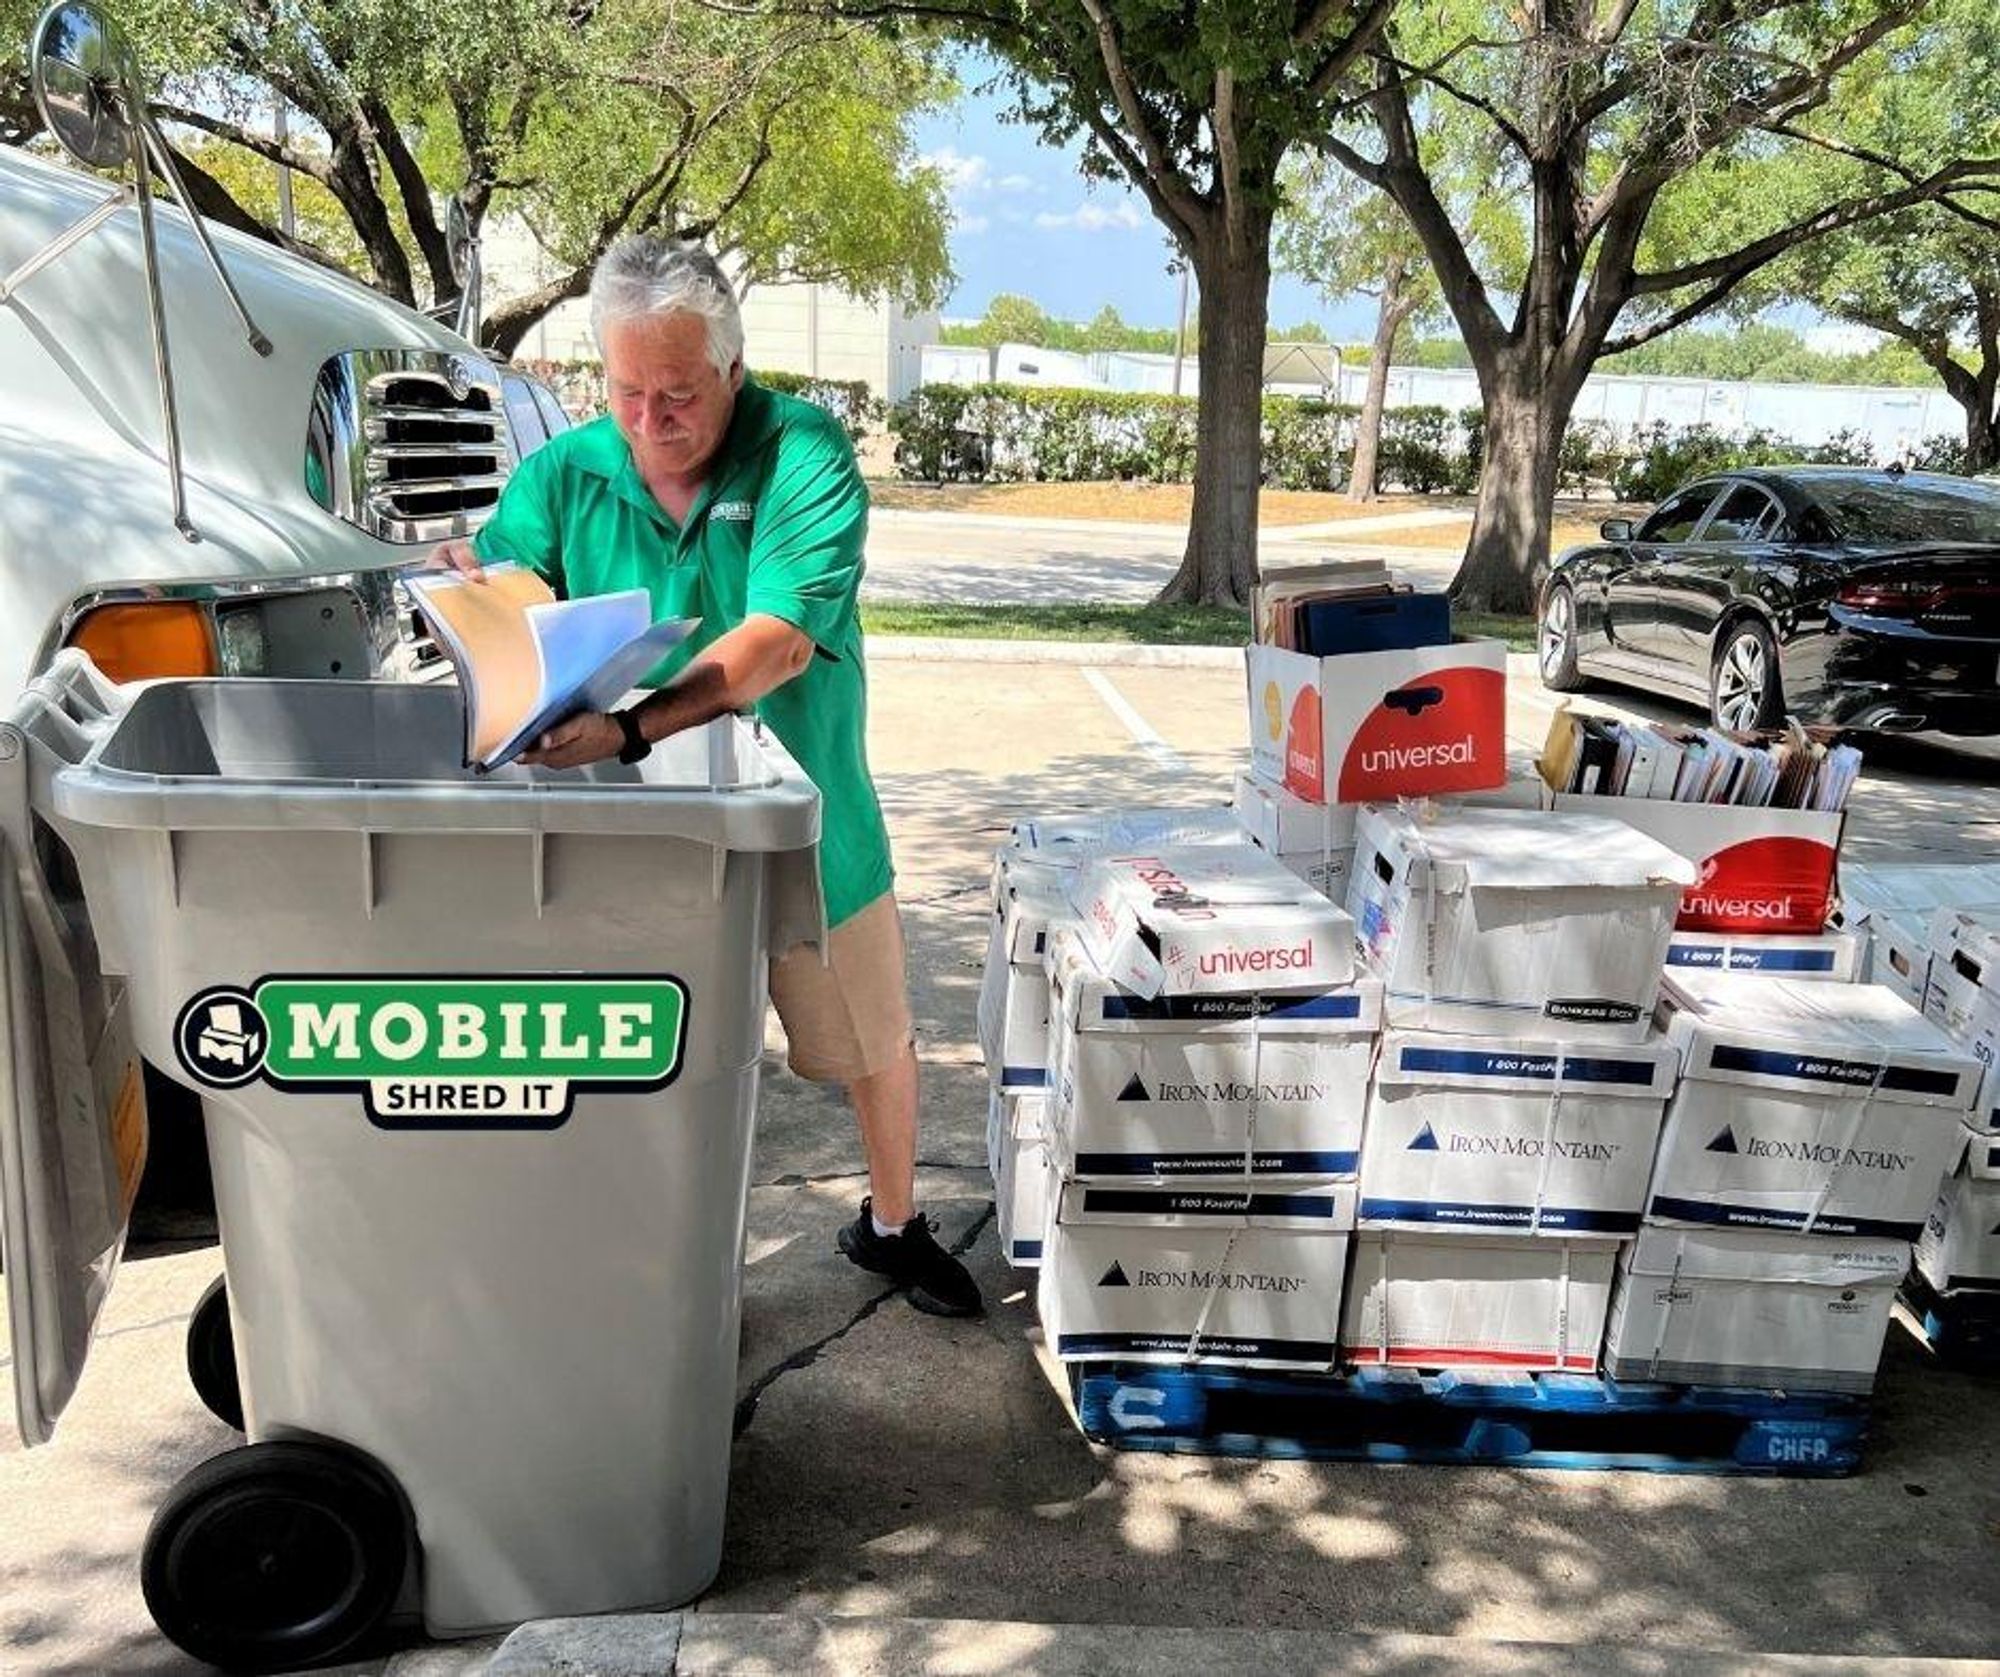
929 1303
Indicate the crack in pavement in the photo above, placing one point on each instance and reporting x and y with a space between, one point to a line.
806 1355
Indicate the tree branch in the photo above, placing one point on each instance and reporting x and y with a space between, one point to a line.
1228 157
1174 186
415 193
305 162
1366 31
1473 101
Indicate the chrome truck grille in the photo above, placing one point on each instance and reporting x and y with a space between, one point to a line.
411 445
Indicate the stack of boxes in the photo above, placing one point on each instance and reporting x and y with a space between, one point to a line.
1209 1056
1799 1160
1519 1094
1958 1255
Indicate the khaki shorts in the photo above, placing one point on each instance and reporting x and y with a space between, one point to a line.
848 1016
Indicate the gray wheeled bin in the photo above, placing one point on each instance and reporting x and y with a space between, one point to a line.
478 1057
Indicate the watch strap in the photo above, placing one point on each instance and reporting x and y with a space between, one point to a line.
636 747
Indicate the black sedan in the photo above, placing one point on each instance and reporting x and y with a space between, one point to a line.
1859 598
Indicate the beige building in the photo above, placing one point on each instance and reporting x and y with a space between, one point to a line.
812 329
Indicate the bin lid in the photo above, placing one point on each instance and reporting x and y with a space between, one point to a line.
72 1103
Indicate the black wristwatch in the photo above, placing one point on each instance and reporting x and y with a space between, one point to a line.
636 747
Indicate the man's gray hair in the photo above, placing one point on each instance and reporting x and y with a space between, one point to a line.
643 276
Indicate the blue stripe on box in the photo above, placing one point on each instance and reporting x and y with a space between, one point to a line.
1820 1068
1450 1214
1737 958
1024 1077
1217 1164
1025 1251
1340 1005
1206 1202
1460 1062
1761 1217
1214 1345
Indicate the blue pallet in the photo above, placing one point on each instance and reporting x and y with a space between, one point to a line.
1515 1420
1963 1328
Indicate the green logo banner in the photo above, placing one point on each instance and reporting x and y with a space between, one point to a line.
441 1052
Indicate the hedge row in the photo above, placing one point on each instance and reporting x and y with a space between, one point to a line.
1000 433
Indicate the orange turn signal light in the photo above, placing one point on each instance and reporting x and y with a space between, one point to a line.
138 640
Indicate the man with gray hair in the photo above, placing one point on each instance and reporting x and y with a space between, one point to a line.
744 508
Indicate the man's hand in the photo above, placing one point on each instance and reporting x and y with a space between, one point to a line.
589 738
457 556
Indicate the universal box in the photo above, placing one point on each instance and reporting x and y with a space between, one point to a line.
1817 1108
1166 1276
1521 1137
1836 956
1398 724
1314 840
1211 920
1505 922
1756 870
1959 1250
1024 1180
1477 1301
1733 1307
1013 1008
1151 1093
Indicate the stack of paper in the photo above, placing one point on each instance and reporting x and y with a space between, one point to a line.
1275 601
1611 758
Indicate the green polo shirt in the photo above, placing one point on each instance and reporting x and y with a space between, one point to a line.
777 530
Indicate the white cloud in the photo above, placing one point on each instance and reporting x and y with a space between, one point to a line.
963 175
1095 218
972 223
1015 183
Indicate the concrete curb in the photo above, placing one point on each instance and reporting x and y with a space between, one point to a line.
697 1644
926 649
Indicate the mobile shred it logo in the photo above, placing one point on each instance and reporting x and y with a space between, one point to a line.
441 1052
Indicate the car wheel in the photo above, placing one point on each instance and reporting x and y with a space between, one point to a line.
1745 690
1555 641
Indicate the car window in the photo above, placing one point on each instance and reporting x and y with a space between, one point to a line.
523 415
552 411
1930 510
1746 514
1675 518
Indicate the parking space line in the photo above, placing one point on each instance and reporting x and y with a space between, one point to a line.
1136 725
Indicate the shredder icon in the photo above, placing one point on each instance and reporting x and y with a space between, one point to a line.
220 1039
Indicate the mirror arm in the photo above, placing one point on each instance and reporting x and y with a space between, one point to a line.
162 360
64 241
164 158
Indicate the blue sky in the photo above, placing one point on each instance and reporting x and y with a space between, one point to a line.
1026 221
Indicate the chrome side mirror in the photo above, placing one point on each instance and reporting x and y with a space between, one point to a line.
1616 529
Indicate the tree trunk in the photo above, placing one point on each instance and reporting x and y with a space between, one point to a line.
1220 567
1389 318
505 327
1508 553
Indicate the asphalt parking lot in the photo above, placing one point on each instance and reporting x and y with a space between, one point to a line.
888 1464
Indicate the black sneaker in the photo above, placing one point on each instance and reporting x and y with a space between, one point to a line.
938 1282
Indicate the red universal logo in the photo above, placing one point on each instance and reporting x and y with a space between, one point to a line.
1762 885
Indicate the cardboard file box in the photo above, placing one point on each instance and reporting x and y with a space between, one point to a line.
1241 1089
1503 922
1188 1276
1380 724
1814 1108
1962 996
1024 1180
1959 1250
1475 1301
1497 1137
1720 1307
1756 870
1836 956
1219 919
1013 1009
1315 841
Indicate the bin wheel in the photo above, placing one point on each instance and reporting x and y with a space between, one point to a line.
276 1556
211 1356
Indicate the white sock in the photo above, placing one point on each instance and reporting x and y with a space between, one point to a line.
884 1231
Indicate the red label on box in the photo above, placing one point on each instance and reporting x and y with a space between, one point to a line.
1305 767
1773 884
1442 731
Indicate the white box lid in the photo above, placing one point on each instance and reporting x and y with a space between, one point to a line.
1735 1027
1287 825
1030 911
1435 1059
1753 1255
1125 828
1089 1000
1523 849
